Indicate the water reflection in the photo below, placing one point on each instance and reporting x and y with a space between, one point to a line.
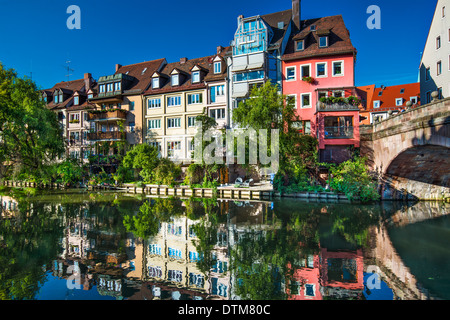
114 246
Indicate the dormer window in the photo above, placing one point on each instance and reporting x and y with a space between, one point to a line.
217 67
90 96
195 76
313 27
300 45
143 71
102 88
117 86
55 98
76 100
155 83
175 80
323 42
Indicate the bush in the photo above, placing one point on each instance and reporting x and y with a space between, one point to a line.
352 178
166 172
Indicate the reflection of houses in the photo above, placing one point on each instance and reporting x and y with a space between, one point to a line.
305 284
342 273
8 205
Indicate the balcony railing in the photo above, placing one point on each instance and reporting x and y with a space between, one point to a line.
339 132
107 115
110 135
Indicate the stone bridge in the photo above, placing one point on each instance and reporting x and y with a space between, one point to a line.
410 152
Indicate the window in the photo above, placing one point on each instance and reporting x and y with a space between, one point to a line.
305 100
217 113
402 91
323 94
155 83
90 96
438 42
154 124
172 146
338 94
443 11
376 104
439 68
306 70
131 125
292 98
131 105
195 98
102 88
321 69
196 77
156 144
153 103
76 100
398 102
440 96
245 76
413 100
338 69
427 74
191 121
216 91
109 87
174 123
175 80
217 67
428 97
309 290
117 86
300 45
323 42
313 27
60 97
173 101
55 99
290 73
154 249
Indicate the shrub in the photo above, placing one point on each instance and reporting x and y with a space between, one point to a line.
166 172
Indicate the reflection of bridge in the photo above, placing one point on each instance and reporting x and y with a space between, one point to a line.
391 266
411 150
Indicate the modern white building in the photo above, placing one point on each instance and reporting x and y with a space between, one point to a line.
435 63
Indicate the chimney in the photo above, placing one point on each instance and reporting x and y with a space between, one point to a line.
87 81
219 49
118 66
239 19
183 60
296 13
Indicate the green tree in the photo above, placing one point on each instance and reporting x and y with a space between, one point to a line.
70 172
267 108
144 159
30 135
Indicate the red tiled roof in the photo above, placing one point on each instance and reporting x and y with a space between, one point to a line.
142 78
204 63
338 38
389 95
272 20
68 88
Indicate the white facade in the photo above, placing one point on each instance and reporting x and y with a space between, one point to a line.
435 63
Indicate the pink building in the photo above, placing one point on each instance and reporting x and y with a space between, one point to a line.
319 75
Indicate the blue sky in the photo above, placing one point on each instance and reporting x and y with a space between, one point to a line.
34 36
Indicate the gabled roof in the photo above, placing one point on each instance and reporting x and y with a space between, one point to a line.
68 88
338 39
142 72
273 20
184 67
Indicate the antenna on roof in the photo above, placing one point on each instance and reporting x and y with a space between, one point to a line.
68 70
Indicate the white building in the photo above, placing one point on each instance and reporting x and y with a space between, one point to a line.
435 63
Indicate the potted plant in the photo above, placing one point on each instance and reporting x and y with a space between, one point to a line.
310 80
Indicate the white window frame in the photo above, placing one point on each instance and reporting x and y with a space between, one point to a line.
295 73
376 104
439 64
117 86
197 100
317 69
152 105
310 100
326 45
294 95
397 100
76 100
196 77
155 83
175 124
154 124
297 43
342 68
173 105
102 88
191 122
438 42
175 80
301 70
217 67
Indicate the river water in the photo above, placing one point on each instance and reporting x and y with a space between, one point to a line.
76 245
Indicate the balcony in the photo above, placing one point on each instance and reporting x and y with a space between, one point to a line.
106 136
341 132
104 115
